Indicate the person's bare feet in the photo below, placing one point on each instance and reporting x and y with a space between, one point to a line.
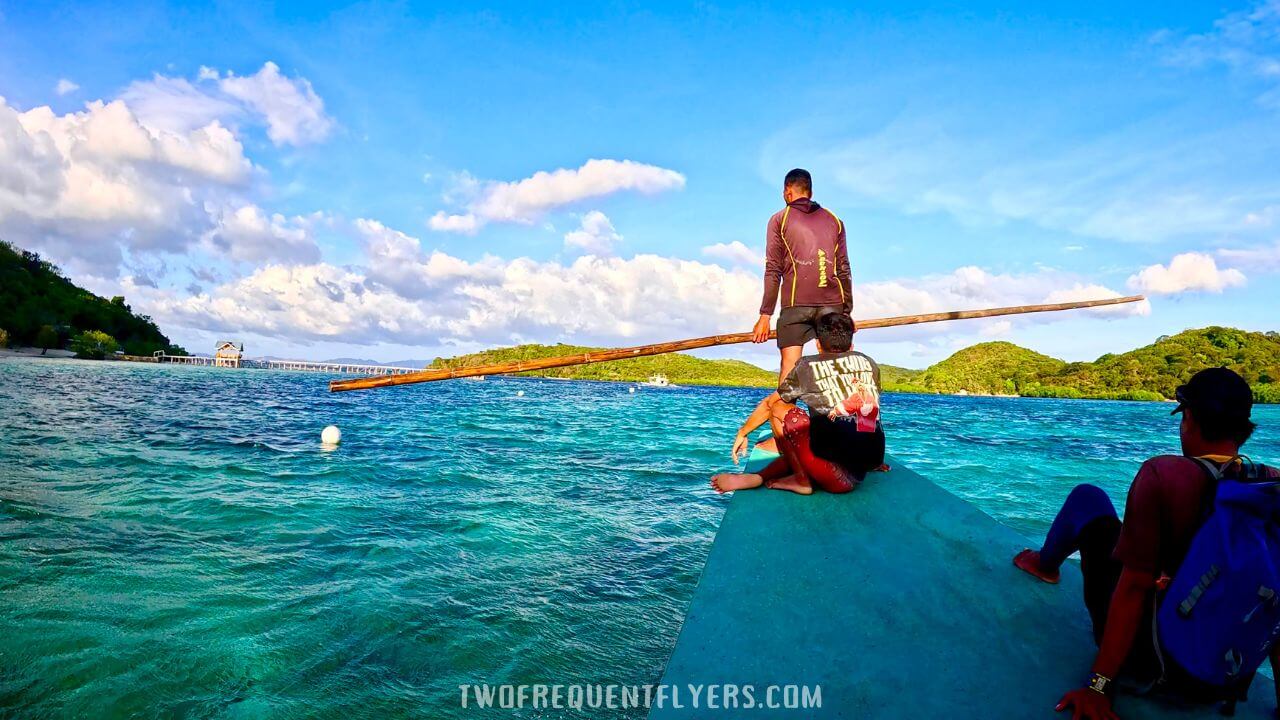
728 482
792 483
769 444
1029 562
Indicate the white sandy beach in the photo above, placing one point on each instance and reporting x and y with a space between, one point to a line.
34 352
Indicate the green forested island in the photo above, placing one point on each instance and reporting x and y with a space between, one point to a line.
1148 373
679 368
41 308
993 368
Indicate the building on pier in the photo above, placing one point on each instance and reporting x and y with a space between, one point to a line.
228 354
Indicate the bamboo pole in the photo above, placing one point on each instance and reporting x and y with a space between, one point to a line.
596 356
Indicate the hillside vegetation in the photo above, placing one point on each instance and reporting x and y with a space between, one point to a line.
894 375
679 368
41 308
997 368
1148 373
993 368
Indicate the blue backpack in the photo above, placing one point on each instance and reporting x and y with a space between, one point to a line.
1221 614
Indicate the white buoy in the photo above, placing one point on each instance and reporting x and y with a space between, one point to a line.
331 435
519 393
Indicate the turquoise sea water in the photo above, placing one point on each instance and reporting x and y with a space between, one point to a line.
174 542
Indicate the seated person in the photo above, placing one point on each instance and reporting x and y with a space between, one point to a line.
839 440
1123 564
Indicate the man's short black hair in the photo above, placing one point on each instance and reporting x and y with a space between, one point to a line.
835 332
799 178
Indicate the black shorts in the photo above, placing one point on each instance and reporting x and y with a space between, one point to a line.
840 442
798 324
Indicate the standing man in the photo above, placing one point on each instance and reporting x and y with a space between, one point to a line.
807 259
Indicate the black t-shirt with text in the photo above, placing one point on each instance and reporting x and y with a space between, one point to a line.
837 385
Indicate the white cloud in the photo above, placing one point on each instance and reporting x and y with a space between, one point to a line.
996 328
1262 259
248 234
293 111
466 224
397 262
177 105
86 184
1080 292
735 253
596 235
1149 181
1186 272
971 288
65 87
1169 170
1247 42
407 295
525 201
289 107
591 300
160 170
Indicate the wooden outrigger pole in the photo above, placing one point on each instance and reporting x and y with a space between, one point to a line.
596 356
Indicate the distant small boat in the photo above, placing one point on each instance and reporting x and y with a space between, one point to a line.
475 378
658 381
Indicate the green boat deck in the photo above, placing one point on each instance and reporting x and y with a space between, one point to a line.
900 600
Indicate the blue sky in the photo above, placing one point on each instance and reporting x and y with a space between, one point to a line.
396 180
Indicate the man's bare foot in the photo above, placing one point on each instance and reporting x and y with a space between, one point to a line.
884 467
793 484
728 482
1029 561
769 444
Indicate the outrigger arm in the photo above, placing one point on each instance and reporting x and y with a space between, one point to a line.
596 356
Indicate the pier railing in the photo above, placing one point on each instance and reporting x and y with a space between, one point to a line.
182 359
345 368
301 365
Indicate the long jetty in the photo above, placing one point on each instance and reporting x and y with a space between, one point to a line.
299 365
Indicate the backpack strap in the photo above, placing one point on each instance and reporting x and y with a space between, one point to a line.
1215 473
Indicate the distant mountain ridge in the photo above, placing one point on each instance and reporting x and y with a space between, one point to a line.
391 363
1152 372
679 368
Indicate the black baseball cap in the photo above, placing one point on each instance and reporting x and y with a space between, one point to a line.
1217 393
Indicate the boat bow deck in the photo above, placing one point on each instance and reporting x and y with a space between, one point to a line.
899 600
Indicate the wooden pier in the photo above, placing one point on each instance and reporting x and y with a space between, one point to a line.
297 365
342 368
182 359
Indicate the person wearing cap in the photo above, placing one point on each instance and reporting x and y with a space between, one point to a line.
1123 563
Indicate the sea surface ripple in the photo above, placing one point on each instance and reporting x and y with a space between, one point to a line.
175 542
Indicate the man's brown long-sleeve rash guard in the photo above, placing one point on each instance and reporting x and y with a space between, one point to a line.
806 257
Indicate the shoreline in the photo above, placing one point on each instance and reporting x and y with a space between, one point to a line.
34 353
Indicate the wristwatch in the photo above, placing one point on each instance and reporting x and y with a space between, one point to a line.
1100 684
